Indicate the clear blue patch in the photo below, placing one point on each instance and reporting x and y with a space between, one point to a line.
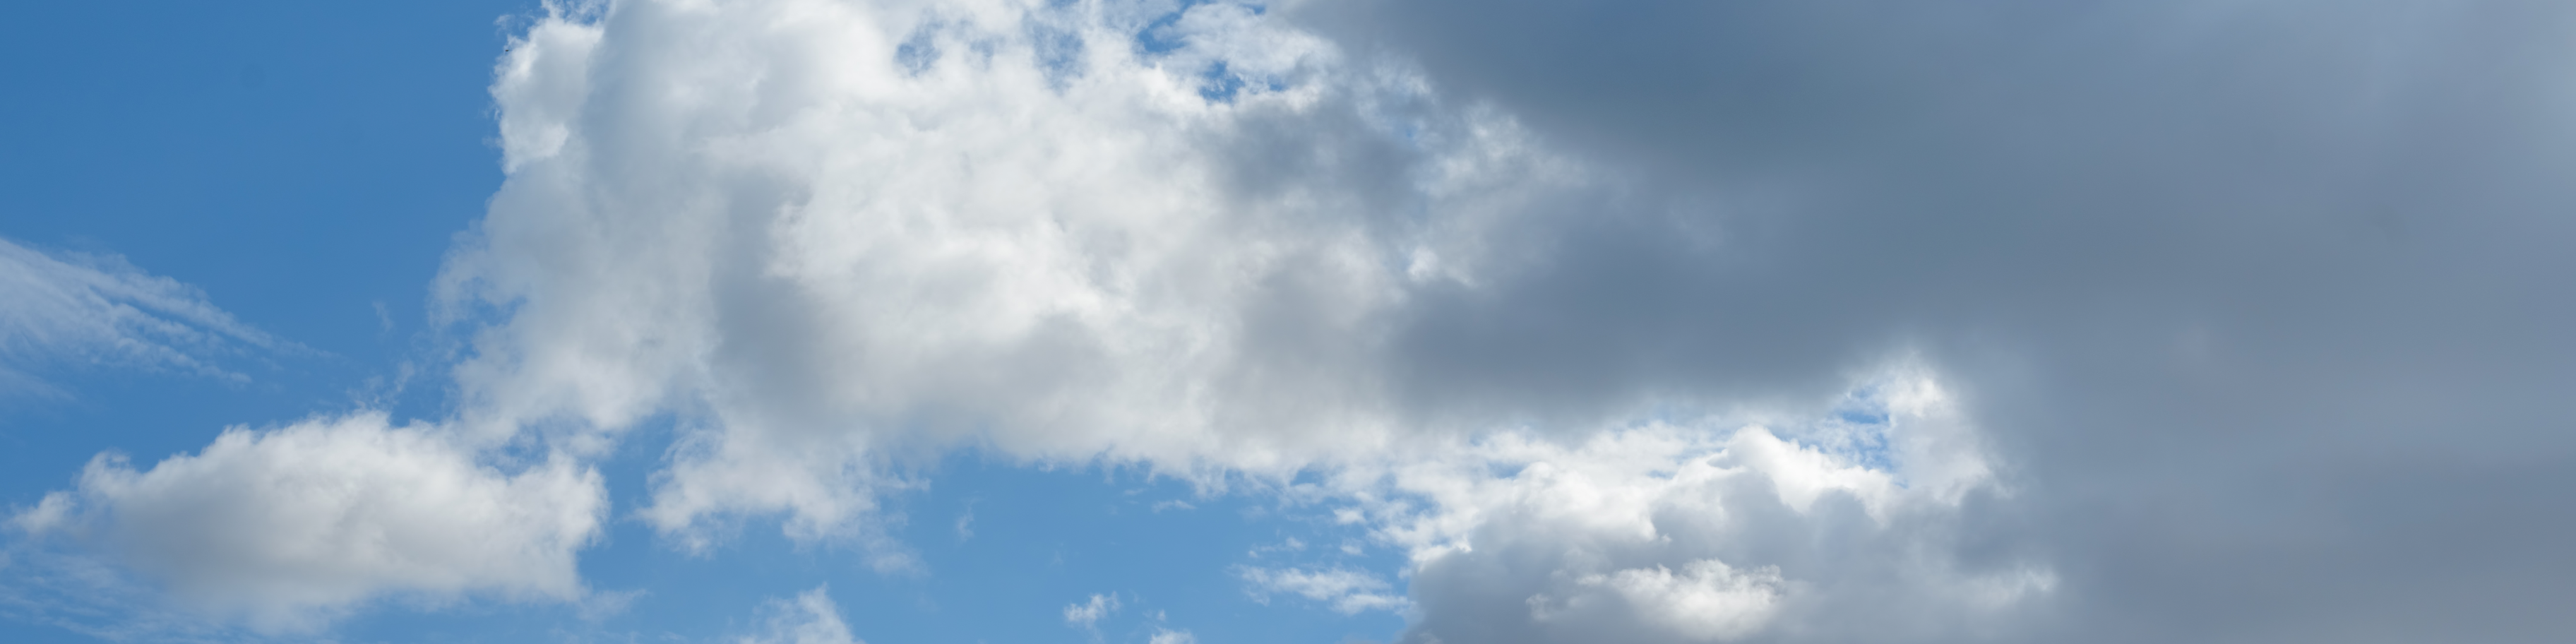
1157 38
1856 430
918 51
1218 84
1863 417
1059 51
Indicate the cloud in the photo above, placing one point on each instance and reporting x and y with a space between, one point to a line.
2232 284
1172 637
1088 615
1061 253
77 309
1712 529
811 619
1347 591
290 526
2209 320
1230 253
1707 602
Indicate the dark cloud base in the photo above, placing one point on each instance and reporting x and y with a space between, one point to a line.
2265 304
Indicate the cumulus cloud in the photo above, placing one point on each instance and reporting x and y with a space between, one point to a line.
1196 237
78 309
1173 637
1087 615
811 619
1707 602
870 229
289 526
1710 529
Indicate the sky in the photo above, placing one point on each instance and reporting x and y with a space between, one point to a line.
1169 322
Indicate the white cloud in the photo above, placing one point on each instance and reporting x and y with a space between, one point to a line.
1172 637
1348 591
80 309
822 254
1087 615
289 526
811 619
1702 531
1709 601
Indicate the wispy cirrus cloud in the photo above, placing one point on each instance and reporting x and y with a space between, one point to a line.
80 310
1346 590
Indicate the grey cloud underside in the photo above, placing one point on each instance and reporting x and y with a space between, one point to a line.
2265 304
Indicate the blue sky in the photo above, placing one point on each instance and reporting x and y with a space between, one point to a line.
305 166
298 190
1166 322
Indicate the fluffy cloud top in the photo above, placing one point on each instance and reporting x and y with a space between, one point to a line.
827 232
289 525
1707 602
1711 530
